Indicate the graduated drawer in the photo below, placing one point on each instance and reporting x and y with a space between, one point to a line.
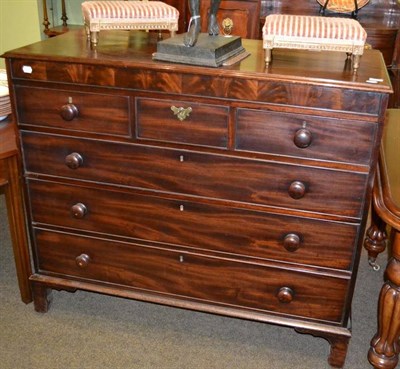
194 173
304 136
182 122
189 275
194 225
76 111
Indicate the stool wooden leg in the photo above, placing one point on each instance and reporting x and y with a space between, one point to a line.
94 38
356 62
87 29
384 351
268 56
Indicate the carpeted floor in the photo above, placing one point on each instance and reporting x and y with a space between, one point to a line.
85 330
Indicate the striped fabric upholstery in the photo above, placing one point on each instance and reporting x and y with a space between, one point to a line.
97 10
343 6
291 26
128 15
313 33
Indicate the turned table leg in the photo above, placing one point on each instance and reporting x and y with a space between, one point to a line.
375 239
384 351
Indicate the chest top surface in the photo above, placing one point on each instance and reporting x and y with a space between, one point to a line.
133 51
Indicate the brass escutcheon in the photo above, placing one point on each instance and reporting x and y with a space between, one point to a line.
181 113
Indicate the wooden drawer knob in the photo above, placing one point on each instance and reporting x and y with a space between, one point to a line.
302 138
291 242
82 260
285 295
68 112
73 160
297 190
78 210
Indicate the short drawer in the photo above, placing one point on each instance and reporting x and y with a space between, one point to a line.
182 122
197 174
76 111
189 275
195 225
304 136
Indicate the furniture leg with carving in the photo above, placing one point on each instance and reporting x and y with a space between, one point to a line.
376 237
384 351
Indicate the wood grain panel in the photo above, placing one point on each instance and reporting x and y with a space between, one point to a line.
98 113
269 89
193 224
196 276
331 139
314 96
205 125
199 174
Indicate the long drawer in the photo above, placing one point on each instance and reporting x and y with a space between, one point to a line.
72 110
199 174
192 224
183 274
304 136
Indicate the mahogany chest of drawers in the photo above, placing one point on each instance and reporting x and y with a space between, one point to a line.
236 190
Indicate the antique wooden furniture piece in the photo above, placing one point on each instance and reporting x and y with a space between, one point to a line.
380 19
250 203
128 15
384 352
10 183
242 16
342 6
55 30
306 32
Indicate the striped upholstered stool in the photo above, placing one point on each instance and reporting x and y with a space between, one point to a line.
313 33
128 15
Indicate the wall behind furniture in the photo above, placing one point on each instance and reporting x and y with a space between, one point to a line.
19 24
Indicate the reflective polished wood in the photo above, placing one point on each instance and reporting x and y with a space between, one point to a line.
54 31
380 18
10 183
384 351
253 206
